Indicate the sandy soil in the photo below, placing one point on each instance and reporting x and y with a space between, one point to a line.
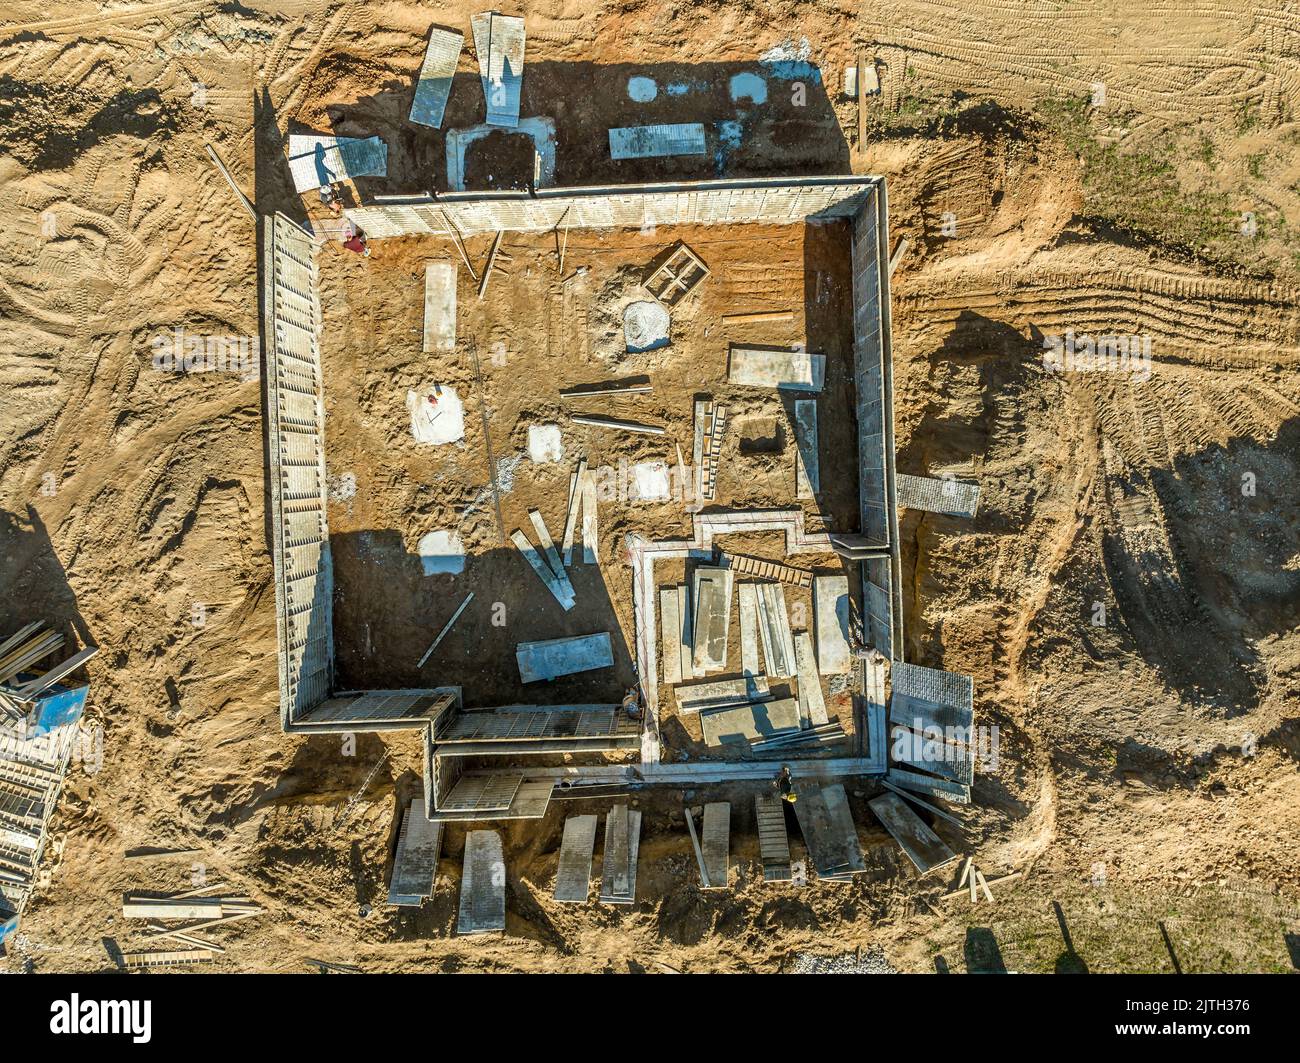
1147 767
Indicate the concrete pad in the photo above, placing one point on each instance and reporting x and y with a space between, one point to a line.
545 443
441 552
650 482
831 614
788 370
812 705
438 422
641 89
439 307
712 596
749 662
556 657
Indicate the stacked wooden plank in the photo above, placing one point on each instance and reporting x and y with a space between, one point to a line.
545 562
194 910
773 843
710 427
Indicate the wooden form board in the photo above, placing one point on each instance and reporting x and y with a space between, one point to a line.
560 587
482 885
656 141
590 529
573 877
951 760
750 722
812 705
923 847
712 598
439 307
773 842
577 484
622 848
716 843
831 614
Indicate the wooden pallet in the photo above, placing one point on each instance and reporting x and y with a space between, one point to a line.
680 274
715 423
745 565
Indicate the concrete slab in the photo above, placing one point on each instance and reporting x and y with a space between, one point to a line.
716 843
787 370
436 73
439 307
831 615
947 496
923 847
812 705
744 723
670 636
712 598
807 476
656 141
748 609
686 617
556 657
505 69
774 631
650 482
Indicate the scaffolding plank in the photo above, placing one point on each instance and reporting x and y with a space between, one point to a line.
482 885
573 877
923 847
773 843
416 863
656 141
439 307
561 590
436 75
716 843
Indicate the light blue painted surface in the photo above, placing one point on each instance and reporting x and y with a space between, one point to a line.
748 87
557 657
642 89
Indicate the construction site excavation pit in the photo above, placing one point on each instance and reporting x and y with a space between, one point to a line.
604 495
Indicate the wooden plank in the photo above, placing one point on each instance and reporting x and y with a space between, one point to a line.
697 447
812 705
445 628
482 885
551 554
716 843
165 957
923 847
932 809
670 627
773 842
573 877
543 570
754 318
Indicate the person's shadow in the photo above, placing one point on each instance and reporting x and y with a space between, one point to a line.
1069 962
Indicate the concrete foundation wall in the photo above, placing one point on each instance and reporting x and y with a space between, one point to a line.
730 202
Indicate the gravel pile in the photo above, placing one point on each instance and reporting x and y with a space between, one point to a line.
872 962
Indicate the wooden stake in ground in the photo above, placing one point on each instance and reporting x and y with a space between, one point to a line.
244 201
862 98
491 263
445 628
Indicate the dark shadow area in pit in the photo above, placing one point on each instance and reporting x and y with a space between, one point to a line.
793 130
387 612
36 585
